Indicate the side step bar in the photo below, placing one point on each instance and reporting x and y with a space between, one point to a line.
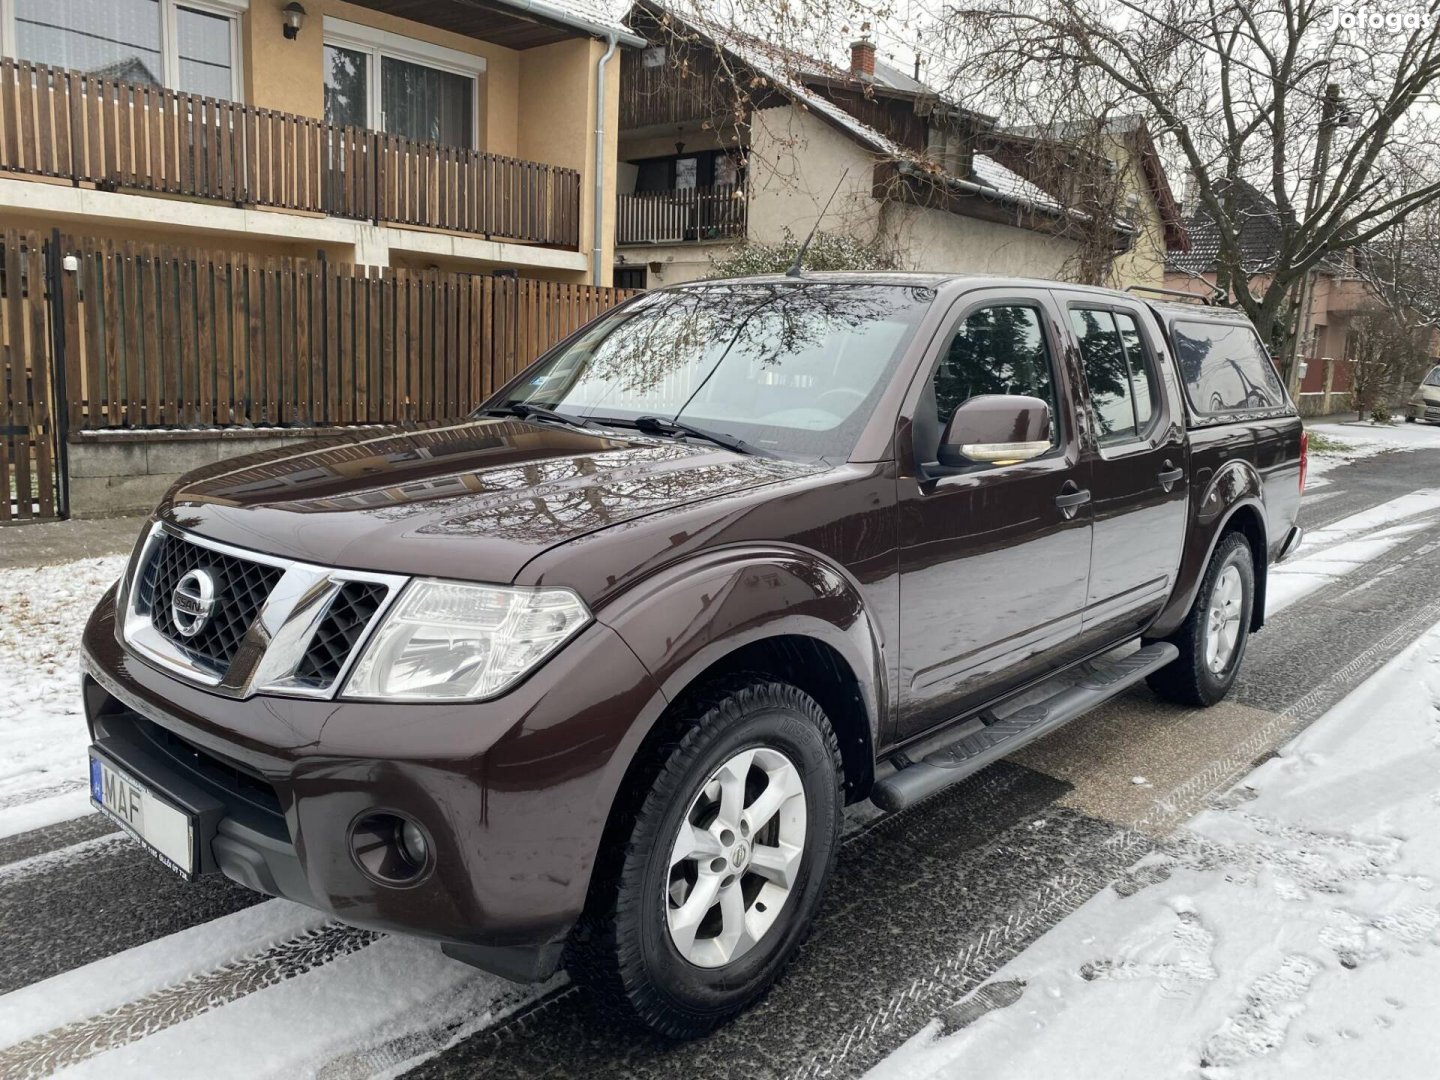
950 764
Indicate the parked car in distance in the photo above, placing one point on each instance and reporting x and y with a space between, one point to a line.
588 677
1424 404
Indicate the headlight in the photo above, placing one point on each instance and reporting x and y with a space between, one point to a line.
450 641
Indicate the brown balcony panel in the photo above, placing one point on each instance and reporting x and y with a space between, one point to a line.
689 215
123 136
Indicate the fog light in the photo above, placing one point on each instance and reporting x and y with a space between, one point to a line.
412 843
390 848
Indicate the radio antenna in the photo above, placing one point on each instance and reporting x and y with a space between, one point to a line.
794 270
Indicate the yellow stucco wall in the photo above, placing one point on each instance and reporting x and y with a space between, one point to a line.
290 76
537 104
1144 263
556 122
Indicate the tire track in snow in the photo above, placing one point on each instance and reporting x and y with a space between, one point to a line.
20 798
201 993
962 973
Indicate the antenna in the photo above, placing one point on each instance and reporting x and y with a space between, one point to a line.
794 270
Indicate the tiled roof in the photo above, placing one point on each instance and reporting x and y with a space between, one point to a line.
1259 231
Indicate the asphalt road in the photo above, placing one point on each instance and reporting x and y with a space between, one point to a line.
923 907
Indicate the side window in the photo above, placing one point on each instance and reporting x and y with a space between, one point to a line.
1140 367
1107 374
1225 368
996 350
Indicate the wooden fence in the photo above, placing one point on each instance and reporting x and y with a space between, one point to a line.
117 135
171 337
28 443
702 213
148 336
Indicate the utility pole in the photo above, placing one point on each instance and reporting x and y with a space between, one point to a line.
1332 115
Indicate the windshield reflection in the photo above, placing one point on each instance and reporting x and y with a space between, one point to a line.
793 368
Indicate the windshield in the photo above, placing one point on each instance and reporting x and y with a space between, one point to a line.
1433 379
790 368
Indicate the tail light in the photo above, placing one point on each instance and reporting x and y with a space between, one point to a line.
1304 458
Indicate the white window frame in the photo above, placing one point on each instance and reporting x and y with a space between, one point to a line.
169 38
376 44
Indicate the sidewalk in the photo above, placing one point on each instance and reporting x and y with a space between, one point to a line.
1293 929
52 542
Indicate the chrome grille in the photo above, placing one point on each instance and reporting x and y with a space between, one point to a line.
276 625
345 621
241 587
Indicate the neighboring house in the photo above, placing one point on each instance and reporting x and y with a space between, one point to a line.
452 133
1336 295
725 138
1134 181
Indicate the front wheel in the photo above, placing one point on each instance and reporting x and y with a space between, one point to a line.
726 862
1213 637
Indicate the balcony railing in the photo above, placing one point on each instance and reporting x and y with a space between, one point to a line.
125 136
690 214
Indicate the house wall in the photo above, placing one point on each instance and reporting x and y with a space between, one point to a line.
289 76
795 161
1144 263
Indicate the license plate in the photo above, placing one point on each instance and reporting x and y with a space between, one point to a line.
165 830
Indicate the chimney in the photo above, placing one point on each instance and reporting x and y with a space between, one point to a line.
862 55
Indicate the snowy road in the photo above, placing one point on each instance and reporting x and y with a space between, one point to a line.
109 966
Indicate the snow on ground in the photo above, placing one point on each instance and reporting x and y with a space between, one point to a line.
42 725
1328 554
1293 930
1362 440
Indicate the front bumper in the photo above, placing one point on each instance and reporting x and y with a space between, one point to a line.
514 792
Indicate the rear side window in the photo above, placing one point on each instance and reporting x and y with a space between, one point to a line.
1225 369
1115 372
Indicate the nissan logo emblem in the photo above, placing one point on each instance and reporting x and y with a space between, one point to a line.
193 602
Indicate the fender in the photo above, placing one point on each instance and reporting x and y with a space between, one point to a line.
1235 485
683 619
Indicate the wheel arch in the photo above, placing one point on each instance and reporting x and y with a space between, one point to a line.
1233 500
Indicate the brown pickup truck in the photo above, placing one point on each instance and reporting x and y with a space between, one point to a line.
588 677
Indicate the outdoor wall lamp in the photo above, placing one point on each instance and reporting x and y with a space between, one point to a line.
294 19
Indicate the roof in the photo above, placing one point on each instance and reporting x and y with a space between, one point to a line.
515 24
893 77
1259 229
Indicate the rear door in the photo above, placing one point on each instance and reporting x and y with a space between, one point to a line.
992 570
1139 475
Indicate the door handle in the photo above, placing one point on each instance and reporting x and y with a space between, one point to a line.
1170 476
1071 498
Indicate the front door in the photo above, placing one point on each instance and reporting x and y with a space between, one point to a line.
1139 473
993 571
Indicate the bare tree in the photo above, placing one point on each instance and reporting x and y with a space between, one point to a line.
1334 123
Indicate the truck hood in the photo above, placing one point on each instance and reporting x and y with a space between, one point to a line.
475 500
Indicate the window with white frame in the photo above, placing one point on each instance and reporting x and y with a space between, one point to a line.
402 86
188 45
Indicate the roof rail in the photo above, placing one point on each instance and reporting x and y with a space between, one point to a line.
1216 297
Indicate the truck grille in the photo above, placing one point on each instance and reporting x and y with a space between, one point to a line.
315 617
241 587
350 612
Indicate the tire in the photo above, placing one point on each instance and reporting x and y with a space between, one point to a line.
1409 419
1192 678
625 949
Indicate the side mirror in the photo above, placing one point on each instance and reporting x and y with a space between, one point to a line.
996 428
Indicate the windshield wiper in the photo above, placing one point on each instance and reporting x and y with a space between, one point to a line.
525 411
658 425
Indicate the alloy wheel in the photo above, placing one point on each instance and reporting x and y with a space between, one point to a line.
736 857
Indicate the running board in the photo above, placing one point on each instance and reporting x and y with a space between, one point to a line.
950 764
